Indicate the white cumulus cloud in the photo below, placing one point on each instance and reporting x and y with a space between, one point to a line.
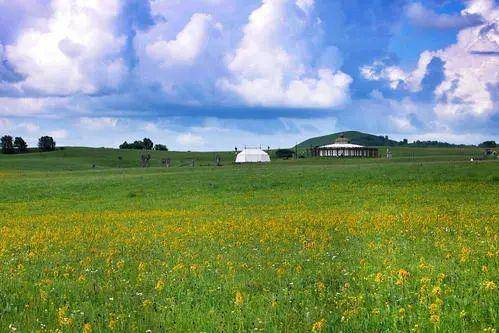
425 17
274 66
470 68
75 50
188 44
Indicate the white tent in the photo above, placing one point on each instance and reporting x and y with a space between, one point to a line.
252 156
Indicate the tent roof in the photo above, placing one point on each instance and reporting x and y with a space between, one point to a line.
253 151
341 145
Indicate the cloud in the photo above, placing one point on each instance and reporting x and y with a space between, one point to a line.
75 50
29 127
274 63
5 123
11 106
188 44
59 134
401 124
396 76
182 56
190 140
98 123
468 77
424 17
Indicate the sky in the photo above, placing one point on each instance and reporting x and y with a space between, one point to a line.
219 74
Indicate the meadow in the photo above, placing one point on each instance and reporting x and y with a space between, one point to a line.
92 243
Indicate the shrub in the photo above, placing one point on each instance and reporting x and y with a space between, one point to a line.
284 153
160 147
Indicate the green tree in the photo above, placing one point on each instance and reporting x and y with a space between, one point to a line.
125 145
160 147
20 144
148 144
7 145
46 143
487 144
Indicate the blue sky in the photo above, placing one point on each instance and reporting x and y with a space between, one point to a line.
215 74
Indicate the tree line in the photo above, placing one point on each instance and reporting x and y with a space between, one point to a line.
18 145
145 143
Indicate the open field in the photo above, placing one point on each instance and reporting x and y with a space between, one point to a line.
298 245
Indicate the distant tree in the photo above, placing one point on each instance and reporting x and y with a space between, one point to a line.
7 145
284 153
404 142
20 145
137 144
487 144
125 145
160 147
46 143
147 143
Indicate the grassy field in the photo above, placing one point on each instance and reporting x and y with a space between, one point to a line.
409 244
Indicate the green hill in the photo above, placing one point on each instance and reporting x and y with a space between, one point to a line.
355 137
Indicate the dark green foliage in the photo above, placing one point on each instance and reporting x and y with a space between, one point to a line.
488 144
46 143
418 143
160 147
284 153
20 145
7 145
144 144
134 145
148 144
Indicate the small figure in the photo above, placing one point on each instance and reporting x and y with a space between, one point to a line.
144 159
388 154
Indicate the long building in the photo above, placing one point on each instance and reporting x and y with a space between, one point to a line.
343 148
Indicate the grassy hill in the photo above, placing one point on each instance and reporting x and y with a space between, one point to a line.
80 158
355 137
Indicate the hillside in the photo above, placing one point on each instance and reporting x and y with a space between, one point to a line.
81 158
355 137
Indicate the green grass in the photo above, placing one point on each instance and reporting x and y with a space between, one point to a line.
290 246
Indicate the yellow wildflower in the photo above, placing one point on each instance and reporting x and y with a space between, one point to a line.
402 273
61 317
435 319
434 308
489 285
87 328
160 285
112 324
239 298
317 326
